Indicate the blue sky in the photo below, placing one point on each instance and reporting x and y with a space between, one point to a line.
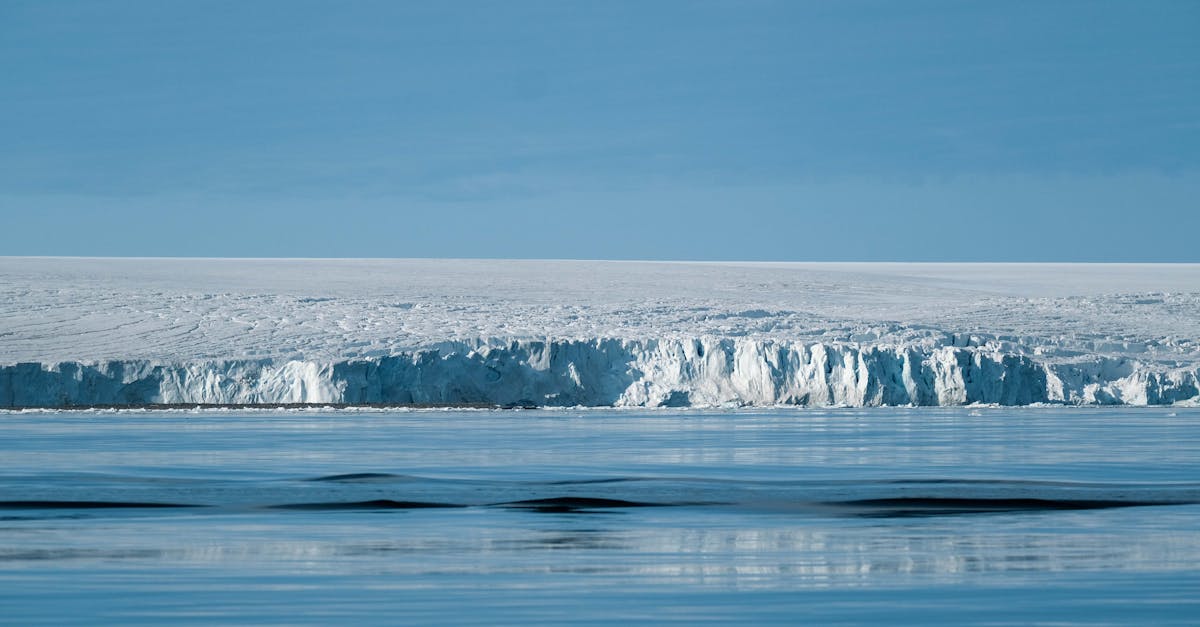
758 130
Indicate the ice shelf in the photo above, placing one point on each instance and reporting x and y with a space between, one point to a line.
89 332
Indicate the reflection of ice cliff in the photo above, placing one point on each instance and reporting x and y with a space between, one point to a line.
605 372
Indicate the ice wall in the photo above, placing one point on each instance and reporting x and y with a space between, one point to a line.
612 372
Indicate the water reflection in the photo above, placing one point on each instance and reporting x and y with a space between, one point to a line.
786 558
658 548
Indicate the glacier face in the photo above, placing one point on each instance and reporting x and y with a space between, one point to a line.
653 373
84 332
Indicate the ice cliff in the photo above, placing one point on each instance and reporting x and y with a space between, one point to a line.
81 332
609 372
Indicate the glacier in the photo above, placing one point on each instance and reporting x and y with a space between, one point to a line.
107 332
672 373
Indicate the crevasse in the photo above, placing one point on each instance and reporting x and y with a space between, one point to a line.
611 372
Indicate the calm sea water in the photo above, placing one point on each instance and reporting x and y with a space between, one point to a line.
994 516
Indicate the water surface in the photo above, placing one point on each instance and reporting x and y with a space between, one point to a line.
998 516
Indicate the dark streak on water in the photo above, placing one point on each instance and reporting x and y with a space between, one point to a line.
915 506
360 476
375 504
877 507
87 505
575 504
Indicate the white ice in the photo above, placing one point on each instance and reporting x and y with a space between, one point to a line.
134 331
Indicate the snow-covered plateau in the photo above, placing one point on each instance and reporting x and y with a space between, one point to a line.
90 332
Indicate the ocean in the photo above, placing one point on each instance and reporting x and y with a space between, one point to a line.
970 515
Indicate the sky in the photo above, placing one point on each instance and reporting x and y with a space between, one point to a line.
699 130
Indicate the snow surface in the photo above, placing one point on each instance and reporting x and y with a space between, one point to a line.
448 332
